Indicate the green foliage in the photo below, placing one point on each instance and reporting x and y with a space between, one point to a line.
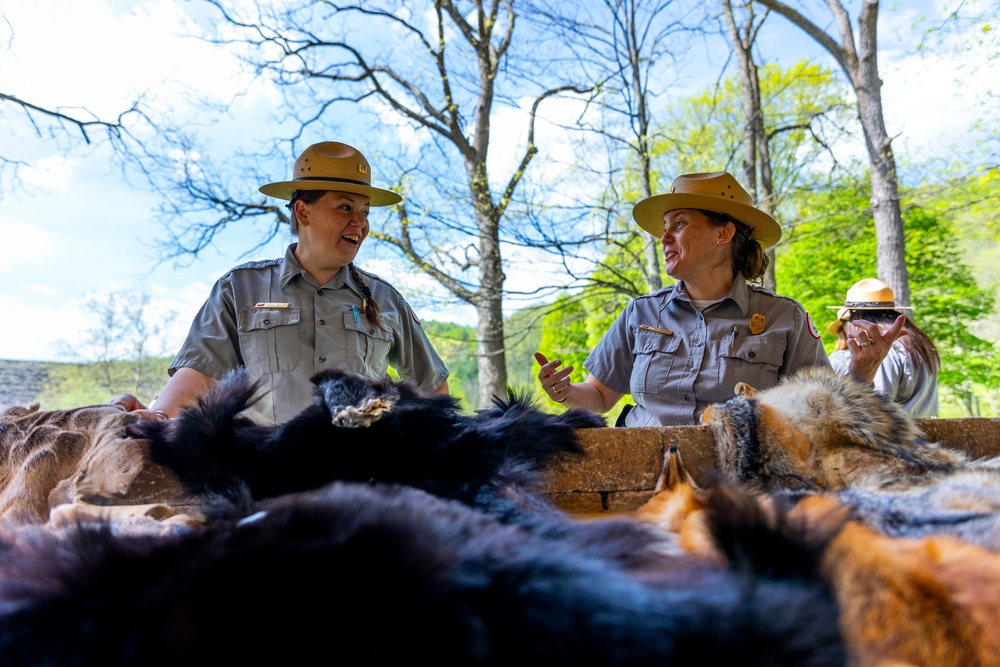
456 345
523 329
76 385
835 247
573 327
804 111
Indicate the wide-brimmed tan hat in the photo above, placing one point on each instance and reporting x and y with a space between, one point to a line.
718 192
838 324
866 294
331 165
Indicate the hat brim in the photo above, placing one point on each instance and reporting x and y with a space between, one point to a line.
650 211
376 196
885 307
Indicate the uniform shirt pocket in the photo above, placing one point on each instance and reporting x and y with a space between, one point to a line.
655 354
754 360
269 339
367 346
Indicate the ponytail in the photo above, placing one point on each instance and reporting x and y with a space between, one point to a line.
369 305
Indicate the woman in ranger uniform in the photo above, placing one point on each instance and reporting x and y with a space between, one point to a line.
314 309
909 373
685 347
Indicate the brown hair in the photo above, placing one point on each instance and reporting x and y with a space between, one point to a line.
915 342
372 310
841 343
748 257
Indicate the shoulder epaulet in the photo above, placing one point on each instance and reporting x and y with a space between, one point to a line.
766 292
256 264
663 291
370 275
763 290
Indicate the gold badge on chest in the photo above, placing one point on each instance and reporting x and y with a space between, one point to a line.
757 323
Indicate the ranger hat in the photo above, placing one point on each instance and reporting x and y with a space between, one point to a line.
866 294
718 192
331 165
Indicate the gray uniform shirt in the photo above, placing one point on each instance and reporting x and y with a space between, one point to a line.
676 361
271 317
900 378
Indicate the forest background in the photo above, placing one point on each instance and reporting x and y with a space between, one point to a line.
541 243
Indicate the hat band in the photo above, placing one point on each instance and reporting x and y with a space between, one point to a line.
888 305
333 180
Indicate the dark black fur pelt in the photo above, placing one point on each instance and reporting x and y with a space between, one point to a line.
420 440
387 575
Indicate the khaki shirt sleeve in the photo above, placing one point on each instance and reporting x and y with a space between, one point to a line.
212 343
412 354
803 346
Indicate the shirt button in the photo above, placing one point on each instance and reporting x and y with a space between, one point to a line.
687 397
267 321
371 332
319 292
322 322
322 360
752 354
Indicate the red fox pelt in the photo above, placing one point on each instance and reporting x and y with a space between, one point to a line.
818 431
930 601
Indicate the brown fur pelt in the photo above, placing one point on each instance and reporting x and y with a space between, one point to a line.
817 430
76 465
929 601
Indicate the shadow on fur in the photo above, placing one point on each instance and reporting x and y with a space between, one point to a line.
387 575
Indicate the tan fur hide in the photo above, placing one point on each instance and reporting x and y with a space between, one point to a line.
63 466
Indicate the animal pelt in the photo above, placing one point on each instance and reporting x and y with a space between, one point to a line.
929 601
817 430
69 464
364 430
388 575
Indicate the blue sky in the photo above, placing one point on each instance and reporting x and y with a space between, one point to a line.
77 229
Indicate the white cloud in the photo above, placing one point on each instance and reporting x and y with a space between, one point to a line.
33 331
84 53
32 243
42 290
52 174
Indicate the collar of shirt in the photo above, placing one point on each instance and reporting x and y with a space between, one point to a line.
291 269
739 293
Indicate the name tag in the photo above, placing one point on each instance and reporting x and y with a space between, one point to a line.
271 304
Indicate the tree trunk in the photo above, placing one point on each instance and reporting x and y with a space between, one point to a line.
861 67
492 359
891 251
756 153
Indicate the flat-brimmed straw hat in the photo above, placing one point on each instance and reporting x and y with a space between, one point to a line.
866 294
718 192
331 165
